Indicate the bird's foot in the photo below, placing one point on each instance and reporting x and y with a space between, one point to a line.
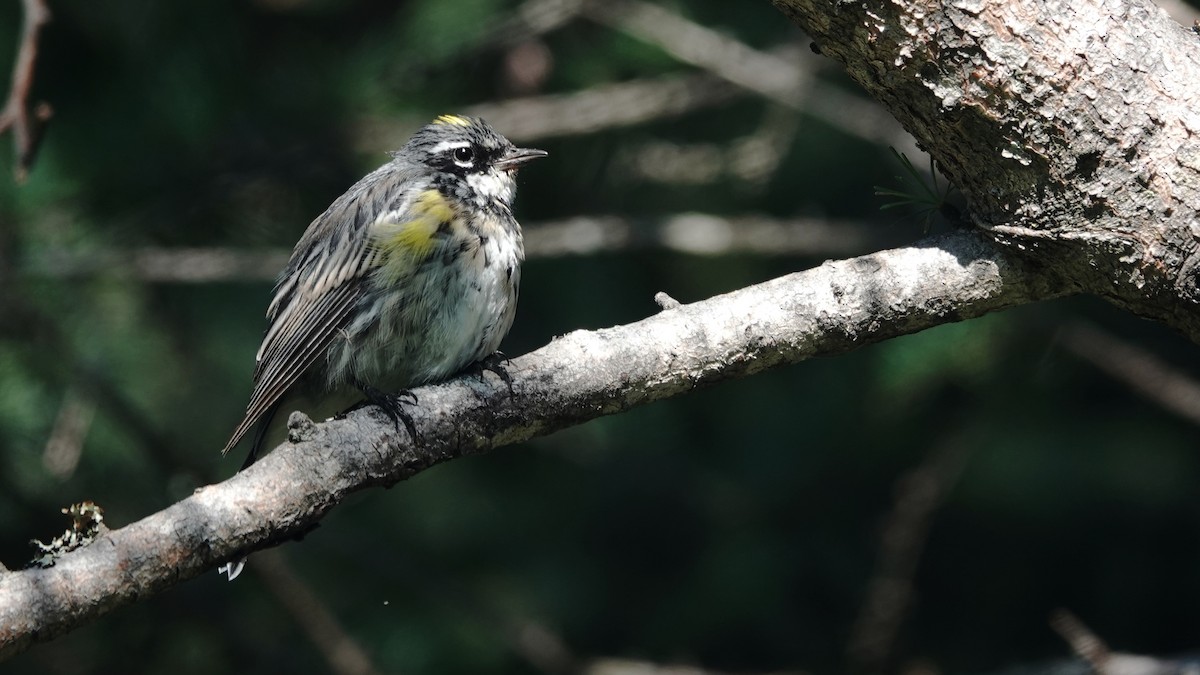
392 405
495 363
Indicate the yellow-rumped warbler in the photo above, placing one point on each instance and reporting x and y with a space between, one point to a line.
407 278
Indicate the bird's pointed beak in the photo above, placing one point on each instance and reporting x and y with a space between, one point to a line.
518 156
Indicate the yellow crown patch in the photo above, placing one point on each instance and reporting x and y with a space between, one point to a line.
454 120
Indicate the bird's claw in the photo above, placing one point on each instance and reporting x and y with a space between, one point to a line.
496 363
392 405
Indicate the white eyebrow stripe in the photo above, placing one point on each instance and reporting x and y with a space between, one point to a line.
449 145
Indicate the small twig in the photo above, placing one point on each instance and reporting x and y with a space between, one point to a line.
665 301
1083 641
1102 660
16 114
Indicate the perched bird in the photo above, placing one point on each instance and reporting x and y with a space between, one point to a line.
407 278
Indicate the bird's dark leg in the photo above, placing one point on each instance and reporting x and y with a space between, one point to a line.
232 568
260 436
495 363
392 405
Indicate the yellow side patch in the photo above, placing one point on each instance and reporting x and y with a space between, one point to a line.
454 120
415 238
432 205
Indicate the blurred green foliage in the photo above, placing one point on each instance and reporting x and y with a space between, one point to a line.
737 528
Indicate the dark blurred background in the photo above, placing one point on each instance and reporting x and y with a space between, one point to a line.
922 505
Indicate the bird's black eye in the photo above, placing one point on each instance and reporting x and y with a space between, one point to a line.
464 155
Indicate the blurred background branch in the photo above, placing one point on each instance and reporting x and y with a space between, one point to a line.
343 655
1141 370
690 233
603 107
774 77
24 119
904 534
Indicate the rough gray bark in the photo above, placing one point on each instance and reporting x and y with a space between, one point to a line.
834 308
1071 126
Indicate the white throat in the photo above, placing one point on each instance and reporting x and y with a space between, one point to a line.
493 185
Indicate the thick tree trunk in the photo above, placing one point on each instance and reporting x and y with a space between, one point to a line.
1072 128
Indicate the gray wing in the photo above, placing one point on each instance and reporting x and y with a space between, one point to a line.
315 295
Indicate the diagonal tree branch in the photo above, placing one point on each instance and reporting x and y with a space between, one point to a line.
835 308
